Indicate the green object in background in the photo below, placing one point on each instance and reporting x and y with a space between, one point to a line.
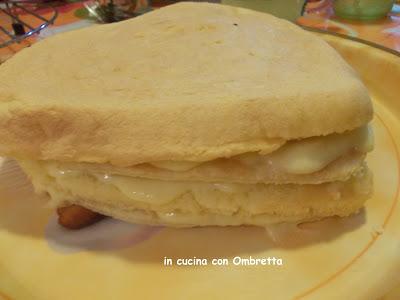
362 9
286 9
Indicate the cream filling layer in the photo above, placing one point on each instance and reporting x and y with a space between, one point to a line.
68 186
304 156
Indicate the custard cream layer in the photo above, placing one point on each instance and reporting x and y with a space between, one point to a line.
298 157
169 199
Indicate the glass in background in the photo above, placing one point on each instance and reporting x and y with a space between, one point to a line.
362 9
286 9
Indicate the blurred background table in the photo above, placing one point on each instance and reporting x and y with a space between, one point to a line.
385 32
